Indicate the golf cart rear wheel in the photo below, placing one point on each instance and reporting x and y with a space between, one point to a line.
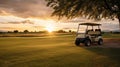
100 42
77 42
87 43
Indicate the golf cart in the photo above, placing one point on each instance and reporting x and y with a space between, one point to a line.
90 36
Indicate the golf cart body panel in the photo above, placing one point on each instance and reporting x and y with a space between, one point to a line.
91 35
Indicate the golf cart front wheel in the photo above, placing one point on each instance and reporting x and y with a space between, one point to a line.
77 42
100 42
87 43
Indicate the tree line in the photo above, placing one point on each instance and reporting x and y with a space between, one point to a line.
27 31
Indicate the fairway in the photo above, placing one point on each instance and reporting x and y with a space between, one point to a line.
57 51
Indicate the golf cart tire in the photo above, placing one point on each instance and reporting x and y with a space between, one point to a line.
77 42
100 42
87 42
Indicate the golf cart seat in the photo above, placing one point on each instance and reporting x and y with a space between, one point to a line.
91 32
97 32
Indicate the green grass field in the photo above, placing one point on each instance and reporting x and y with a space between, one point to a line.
57 51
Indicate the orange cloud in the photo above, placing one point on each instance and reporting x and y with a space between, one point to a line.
25 8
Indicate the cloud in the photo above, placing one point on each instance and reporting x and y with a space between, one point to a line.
22 22
27 21
9 28
25 8
110 26
38 26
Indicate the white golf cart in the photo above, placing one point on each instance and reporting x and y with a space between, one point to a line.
90 36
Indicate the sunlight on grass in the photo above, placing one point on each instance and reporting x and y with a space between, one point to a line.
58 51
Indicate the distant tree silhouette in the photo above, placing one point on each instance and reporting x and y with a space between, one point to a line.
15 31
9 32
26 31
61 31
70 31
1 32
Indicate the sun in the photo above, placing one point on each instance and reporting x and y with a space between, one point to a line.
50 28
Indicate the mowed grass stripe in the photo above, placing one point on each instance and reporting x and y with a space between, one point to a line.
22 48
54 52
32 54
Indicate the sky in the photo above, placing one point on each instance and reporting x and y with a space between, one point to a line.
33 15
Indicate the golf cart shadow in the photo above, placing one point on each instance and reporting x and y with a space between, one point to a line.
92 45
107 55
108 43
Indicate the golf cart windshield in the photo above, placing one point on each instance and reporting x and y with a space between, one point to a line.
82 29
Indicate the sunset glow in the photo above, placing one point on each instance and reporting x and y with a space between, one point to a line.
50 28
22 17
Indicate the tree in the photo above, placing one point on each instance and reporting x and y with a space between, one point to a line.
26 31
70 31
61 31
91 9
15 31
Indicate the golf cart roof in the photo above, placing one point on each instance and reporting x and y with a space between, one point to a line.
90 24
